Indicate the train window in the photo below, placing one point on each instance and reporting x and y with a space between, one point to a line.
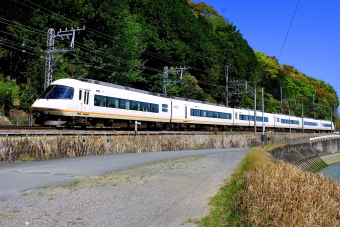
87 96
210 114
215 115
145 107
69 93
80 91
46 92
112 102
261 119
135 105
243 117
236 116
310 123
57 92
154 108
195 112
164 107
99 100
278 120
124 104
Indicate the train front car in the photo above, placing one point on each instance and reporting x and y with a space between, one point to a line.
326 126
56 104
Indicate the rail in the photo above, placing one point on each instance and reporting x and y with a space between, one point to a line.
91 132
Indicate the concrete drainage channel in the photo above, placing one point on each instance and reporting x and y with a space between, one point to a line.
313 156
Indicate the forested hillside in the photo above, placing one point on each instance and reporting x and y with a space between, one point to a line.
129 42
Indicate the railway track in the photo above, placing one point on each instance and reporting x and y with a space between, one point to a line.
14 127
33 130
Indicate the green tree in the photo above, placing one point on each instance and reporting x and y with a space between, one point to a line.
9 92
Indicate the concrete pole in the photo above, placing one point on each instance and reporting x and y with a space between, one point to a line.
262 120
281 97
165 80
226 84
331 120
255 109
290 129
302 118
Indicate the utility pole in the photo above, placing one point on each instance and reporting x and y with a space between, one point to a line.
290 129
238 86
166 80
313 108
49 58
281 97
262 138
331 120
255 109
302 116
226 83
51 50
335 113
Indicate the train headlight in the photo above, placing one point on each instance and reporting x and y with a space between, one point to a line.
45 112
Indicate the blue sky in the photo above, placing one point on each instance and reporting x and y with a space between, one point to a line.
313 42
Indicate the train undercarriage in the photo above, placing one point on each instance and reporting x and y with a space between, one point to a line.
129 125
89 122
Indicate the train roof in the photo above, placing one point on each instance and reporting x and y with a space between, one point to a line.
145 92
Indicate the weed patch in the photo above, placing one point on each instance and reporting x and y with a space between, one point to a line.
264 192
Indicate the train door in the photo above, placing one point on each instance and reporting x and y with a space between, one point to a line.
80 101
83 104
86 98
186 112
235 117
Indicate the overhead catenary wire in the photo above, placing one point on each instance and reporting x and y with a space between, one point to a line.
284 42
21 50
97 52
12 23
110 38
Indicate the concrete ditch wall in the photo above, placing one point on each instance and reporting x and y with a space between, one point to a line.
312 156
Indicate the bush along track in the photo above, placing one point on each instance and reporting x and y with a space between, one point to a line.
265 192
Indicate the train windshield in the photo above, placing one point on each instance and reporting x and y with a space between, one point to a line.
57 92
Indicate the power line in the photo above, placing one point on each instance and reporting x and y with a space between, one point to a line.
25 27
96 51
289 29
21 50
110 38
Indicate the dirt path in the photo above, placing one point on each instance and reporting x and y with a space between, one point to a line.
170 193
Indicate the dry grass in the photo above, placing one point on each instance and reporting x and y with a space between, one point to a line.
264 192
280 194
258 158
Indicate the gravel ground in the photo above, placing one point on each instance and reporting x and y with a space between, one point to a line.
170 193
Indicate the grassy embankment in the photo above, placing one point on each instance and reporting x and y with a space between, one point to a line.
264 192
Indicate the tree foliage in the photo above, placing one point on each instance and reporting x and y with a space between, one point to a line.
129 42
9 92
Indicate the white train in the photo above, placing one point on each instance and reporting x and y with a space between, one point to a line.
84 103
